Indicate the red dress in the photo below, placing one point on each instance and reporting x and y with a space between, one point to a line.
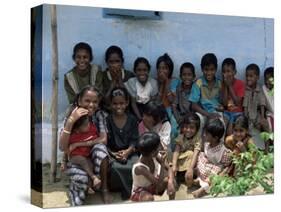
83 137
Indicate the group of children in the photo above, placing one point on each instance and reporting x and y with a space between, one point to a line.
165 127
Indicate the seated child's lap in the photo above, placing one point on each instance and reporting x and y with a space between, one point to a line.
231 116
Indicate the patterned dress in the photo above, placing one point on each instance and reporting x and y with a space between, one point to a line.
212 161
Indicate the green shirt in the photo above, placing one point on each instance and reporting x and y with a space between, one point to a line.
81 81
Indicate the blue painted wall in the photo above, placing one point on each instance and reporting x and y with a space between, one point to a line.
186 37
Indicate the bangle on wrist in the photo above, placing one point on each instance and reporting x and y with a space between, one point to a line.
66 132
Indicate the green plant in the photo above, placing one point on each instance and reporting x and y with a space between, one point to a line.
252 169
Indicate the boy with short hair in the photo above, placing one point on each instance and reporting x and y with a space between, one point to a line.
254 103
233 91
205 92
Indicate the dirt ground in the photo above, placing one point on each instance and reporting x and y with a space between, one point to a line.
55 194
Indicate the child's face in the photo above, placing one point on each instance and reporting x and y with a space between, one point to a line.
189 130
84 127
239 133
89 101
163 71
228 72
148 121
142 72
114 62
209 138
82 59
209 72
187 76
268 80
119 105
251 78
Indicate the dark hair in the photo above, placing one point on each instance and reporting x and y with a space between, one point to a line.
119 91
269 71
209 59
80 122
141 60
215 128
168 61
191 118
83 91
241 121
114 50
230 62
253 67
84 46
156 110
188 65
148 143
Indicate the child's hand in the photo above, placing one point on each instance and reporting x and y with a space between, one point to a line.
77 113
63 166
189 174
220 108
241 146
227 81
124 154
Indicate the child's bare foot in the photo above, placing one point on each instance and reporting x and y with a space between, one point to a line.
96 182
91 191
196 182
107 198
199 193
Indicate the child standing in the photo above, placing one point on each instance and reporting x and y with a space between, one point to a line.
122 137
233 91
254 104
216 157
188 146
205 92
182 105
142 88
84 73
83 132
149 175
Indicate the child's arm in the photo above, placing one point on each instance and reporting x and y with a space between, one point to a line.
224 95
139 170
64 161
236 99
175 158
135 108
197 108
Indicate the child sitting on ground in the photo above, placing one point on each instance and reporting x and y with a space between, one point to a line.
142 88
150 176
254 104
188 146
240 140
215 159
268 88
233 91
206 91
83 132
182 105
